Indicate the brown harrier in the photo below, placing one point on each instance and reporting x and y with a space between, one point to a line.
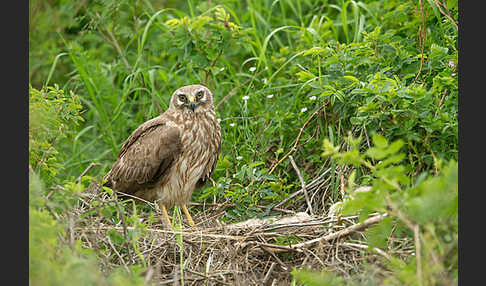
169 156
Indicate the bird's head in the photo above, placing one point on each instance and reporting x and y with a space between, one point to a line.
194 98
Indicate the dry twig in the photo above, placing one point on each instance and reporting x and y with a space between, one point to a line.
353 228
294 147
447 14
302 183
267 276
311 185
422 37
441 101
291 212
86 171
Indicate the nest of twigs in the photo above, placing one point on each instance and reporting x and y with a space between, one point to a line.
254 252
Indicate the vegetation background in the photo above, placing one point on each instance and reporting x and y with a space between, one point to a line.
364 89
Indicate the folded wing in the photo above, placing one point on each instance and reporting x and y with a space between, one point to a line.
145 157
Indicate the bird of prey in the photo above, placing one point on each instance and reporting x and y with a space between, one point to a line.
166 158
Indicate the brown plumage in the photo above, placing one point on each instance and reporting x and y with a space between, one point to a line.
169 156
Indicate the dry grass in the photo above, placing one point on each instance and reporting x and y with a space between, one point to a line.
253 252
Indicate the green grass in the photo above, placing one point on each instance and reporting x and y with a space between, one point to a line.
357 60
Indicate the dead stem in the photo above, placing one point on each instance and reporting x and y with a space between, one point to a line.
302 183
294 147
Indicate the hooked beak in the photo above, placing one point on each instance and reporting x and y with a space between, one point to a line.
192 104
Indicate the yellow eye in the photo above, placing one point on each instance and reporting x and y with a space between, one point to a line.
182 97
199 94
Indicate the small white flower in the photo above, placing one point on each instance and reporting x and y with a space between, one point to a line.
232 124
312 98
246 97
265 81
221 69
270 96
453 74
239 157
266 68
252 69
304 109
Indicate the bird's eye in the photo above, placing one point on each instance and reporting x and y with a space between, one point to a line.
199 94
182 97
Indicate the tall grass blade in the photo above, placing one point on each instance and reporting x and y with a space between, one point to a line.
53 67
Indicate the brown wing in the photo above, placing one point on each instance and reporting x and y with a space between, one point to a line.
145 156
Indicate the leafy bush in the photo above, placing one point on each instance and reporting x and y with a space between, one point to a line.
51 115
53 261
426 209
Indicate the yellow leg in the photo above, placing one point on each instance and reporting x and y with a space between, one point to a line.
189 218
165 215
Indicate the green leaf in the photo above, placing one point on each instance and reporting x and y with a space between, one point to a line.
108 190
379 141
225 163
317 51
392 160
351 180
377 235
329 149
351 158
395 147
304 75
351 78
256 164
313 278
376 153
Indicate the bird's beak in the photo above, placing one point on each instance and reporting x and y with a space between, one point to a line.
192 103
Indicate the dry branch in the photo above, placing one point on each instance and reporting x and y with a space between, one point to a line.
86 171
291 212
302 183
267 276
192 232
310 186
422 36
364 246
448 14
258 223
353 228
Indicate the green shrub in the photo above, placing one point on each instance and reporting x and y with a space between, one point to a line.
426 210
54 262
52 259
52 115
